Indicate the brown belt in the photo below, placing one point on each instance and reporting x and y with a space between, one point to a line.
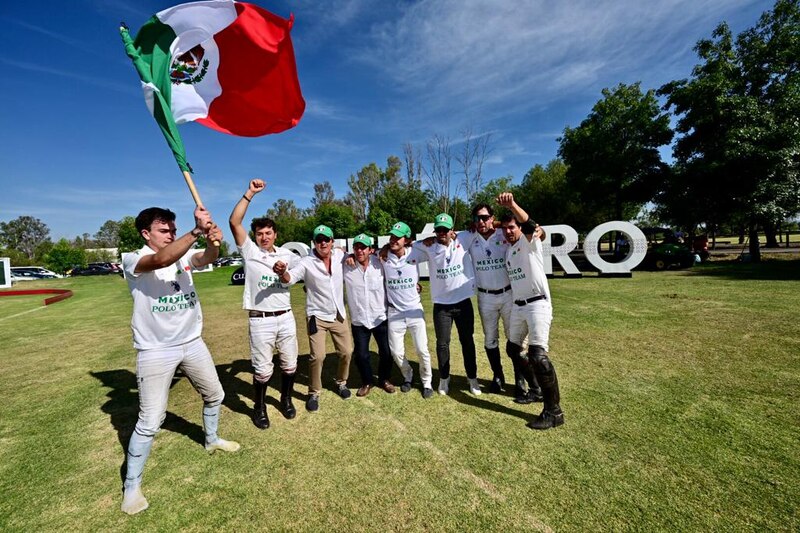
265 314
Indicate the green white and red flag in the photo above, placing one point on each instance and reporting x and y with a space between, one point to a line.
227 65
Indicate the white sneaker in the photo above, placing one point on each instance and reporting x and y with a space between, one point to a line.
133 501
223 445
474 388
444 386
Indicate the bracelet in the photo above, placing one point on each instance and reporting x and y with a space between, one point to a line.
246 198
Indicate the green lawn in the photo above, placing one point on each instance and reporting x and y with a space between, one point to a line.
680 391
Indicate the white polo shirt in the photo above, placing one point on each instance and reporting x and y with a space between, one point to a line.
324 291
402 275
525 266
263 290
366 295
166 310
488 258
452 276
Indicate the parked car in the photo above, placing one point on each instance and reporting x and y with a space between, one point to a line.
95 270
46 274
116 267
23 274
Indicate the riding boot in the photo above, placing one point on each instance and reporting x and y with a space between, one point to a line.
260 418
498 379
523 373
552 415
287 388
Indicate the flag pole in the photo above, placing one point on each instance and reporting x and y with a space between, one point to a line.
195 195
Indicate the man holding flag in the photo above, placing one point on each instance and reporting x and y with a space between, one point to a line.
167 325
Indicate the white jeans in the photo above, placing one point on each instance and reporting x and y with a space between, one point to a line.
531 319
493 307
268 334
413 322
154 372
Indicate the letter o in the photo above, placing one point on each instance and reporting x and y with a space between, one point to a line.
636 253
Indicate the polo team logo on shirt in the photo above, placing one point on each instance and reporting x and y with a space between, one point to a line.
399 273
488 253
176 286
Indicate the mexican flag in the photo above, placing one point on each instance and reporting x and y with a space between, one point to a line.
225 64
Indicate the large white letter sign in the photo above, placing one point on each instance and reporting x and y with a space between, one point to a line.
636 252
561 252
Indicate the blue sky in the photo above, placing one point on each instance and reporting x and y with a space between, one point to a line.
78 146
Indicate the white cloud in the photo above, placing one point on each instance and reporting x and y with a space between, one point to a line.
455 56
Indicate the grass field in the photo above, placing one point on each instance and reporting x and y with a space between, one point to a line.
680 389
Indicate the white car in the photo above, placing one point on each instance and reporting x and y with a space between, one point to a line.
32 272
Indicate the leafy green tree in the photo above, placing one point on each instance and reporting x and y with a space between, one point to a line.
545 194
368 183
613 163
739 112
128 239
108 234
404 201
64 256
338 217
24 233
489 192
293 224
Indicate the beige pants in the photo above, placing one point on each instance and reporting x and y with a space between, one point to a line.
343 342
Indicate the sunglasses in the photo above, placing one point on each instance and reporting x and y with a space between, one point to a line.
440 230
482 218
320 239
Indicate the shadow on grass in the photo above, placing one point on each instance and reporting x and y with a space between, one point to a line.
459 391
123 410
768 270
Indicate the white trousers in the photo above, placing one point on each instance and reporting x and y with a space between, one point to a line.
531 319
154 372
413 322
268 334
493 308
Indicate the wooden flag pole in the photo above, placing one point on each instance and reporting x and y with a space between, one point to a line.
195 195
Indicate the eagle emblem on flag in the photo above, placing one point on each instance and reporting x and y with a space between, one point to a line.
184 67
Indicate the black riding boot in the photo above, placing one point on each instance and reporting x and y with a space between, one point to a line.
523 372
287 388
498 379
552 415
260 418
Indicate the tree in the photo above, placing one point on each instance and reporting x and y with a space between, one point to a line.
368 183
488 194
338 217
323 194
406 202
739 141
546 195
470 158
108 234
128 238
612 158
413 163
438 173
63 256
293 224
24 233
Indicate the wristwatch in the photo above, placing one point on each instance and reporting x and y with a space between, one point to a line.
196 232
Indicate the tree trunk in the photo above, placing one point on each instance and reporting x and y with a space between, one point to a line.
771 233
755 246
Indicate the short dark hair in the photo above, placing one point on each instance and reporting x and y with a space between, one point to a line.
146 218
262 222
482 206
508 217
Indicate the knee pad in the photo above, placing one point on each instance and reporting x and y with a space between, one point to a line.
514 351
539 359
